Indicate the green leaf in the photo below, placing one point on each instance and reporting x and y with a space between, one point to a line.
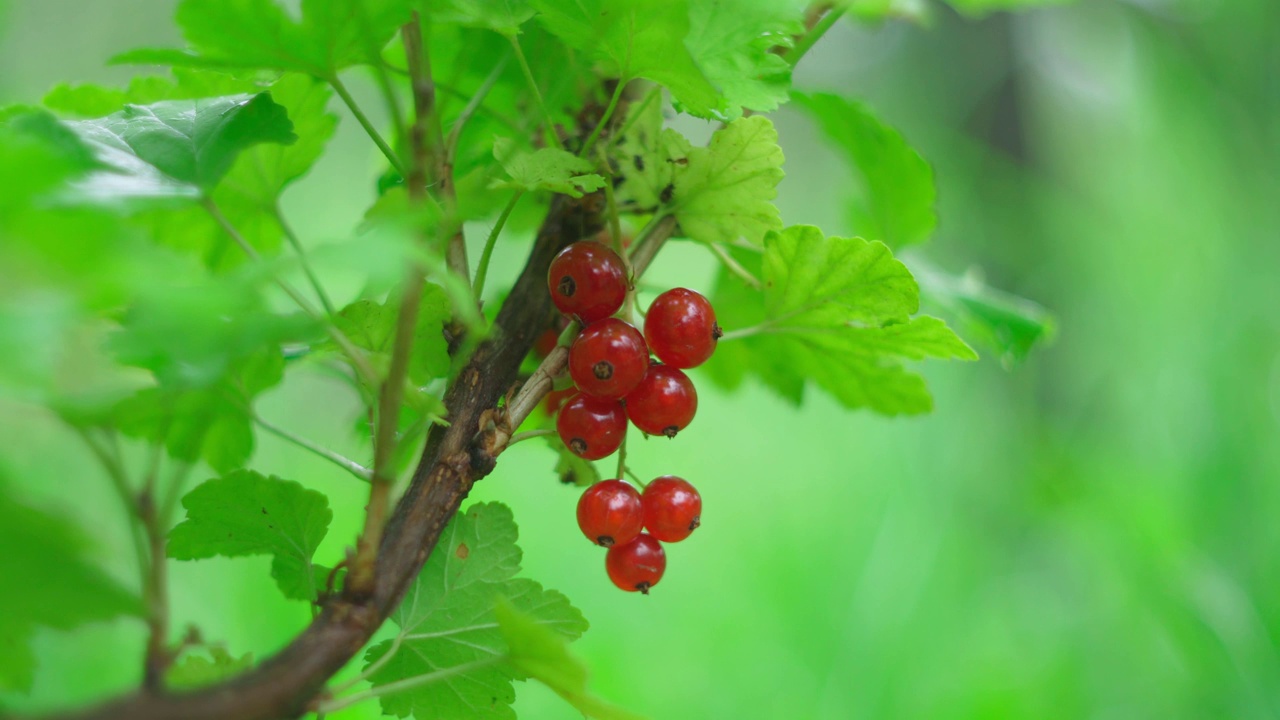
447 620
635 38
372 326
813 280
733 42
893 185
245 514
52 584
199 670
982 7
543 655
1010 325
191 143
646 156
545 169
836 312
331 35
724 192
502 16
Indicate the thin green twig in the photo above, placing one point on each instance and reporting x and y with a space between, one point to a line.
296 244
604 119
807 41
537 94
482 271
361 118
345 463
408 684
358 361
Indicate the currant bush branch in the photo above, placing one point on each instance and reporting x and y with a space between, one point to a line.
454 457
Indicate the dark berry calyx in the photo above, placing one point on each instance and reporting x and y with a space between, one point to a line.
603 370
567 286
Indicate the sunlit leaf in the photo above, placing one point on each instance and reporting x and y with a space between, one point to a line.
724 192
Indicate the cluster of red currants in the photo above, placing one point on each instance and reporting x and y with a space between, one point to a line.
616 381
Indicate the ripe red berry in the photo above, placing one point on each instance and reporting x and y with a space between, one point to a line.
545 343
592 428
637 565
672 508
555 399
664 402
608 359
588 280
610 513
681 328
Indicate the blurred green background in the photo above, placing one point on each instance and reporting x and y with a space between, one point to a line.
1093 534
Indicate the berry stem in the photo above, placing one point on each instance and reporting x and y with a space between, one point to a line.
734 266
622 456
636 478
554 364
650 241
529 435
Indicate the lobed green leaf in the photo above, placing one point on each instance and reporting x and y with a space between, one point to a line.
329 36
837 312
736 42
447 620
549 169
724 192
635 39
245 513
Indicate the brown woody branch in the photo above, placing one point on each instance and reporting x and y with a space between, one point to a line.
285 685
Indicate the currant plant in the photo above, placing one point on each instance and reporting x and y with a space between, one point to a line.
147 227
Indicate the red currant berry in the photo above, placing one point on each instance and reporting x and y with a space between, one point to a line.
608 359
545 343
672 508
592 428
610 513
664 402
637 565
588 280
556 398
681 328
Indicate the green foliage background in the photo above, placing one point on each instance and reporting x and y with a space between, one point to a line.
1091 534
